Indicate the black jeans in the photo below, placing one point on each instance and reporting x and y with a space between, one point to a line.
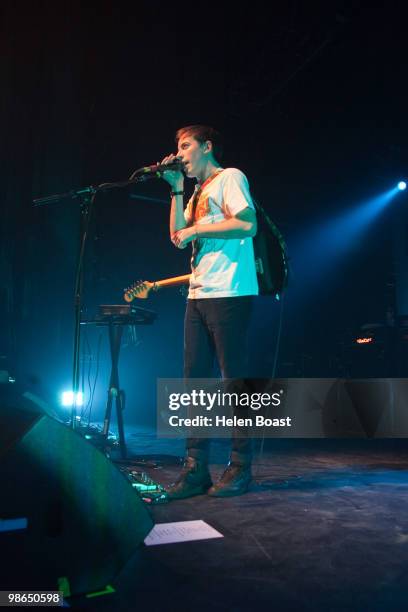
218 327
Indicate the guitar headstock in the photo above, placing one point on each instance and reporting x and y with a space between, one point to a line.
140 290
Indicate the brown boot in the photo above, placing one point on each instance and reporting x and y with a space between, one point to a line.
234 481
195 479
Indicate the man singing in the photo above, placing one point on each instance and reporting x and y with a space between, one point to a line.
220 222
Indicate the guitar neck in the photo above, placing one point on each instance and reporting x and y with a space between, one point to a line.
174 281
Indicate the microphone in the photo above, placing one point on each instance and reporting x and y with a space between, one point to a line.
156 170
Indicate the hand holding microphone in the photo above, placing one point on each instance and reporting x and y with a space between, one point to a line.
174 176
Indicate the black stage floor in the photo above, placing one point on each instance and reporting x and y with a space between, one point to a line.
323 527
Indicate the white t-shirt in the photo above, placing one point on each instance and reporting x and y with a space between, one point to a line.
222 267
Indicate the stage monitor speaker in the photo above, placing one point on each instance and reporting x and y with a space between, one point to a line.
81 520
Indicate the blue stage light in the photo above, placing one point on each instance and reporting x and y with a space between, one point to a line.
322 245
402 185
67 398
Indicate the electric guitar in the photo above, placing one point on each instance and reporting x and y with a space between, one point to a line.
141 289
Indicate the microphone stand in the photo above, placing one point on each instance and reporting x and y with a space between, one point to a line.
86 197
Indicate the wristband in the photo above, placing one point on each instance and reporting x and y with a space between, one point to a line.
174 193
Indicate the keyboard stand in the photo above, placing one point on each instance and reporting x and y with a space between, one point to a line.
115 393
115 317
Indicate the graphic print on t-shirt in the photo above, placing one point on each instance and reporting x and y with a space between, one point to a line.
203 208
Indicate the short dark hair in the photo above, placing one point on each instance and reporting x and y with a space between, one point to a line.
202 133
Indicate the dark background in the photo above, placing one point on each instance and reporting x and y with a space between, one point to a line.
311 99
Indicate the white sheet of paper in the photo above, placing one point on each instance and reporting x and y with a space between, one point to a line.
182 531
